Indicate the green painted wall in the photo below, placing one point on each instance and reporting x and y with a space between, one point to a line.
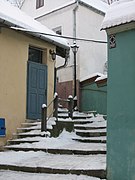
121 108
94 98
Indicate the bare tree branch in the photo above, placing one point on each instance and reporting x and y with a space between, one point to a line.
17 3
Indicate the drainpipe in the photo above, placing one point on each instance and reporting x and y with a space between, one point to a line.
74 18
74 34
66 61
74 42
64 65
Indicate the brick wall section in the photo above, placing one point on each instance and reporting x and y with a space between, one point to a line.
64 89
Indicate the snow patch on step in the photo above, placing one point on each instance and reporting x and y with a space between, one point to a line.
41 176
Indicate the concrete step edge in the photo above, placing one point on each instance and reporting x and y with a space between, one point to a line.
14 141
91 134
89 140
87 127
100 173
58 151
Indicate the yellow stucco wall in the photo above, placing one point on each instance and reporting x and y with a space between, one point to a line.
13 76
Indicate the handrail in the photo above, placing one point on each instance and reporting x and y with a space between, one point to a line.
50 103
55 110
44 112
70 105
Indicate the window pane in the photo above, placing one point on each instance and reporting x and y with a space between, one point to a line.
35 55
39 3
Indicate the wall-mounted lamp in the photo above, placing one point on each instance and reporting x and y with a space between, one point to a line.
53 54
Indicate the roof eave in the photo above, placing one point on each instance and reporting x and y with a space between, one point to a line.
119 27
62 48
91 7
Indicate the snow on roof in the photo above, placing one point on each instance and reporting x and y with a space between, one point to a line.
120 12
15 17
97 4
91 76
101 78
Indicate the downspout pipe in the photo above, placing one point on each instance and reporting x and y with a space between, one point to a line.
66 61
74 19
74 34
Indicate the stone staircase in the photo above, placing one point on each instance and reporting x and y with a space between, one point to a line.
81 152
90 132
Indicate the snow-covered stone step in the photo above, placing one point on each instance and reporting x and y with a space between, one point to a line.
25 140
26 129
92 165
19 141
83 127
29 124
57 151
14 175
33 133
50 122
82 121
91 133
24 135
101 139
60 145
93 125
76 115
62 110
93 130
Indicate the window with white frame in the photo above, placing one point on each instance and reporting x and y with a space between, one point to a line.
39 3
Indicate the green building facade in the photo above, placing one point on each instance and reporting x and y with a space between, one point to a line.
121 91
93 95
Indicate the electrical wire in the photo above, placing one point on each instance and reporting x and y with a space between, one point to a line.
61 36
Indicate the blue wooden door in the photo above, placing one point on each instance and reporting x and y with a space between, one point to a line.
2 127
37 89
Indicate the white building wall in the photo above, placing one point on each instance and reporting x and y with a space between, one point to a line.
63 18
30 6
92 56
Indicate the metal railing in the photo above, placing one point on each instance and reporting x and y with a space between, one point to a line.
55 102
70 105
44 112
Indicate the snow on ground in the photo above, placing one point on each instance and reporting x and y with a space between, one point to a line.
66 161
57 161
64 141
12 175
94 124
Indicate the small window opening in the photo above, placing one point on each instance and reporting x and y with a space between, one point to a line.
35 55
39 3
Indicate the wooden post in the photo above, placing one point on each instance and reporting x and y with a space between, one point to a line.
44 118
55 114
70 106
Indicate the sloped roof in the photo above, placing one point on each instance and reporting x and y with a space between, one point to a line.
96 4
119 13
14 17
